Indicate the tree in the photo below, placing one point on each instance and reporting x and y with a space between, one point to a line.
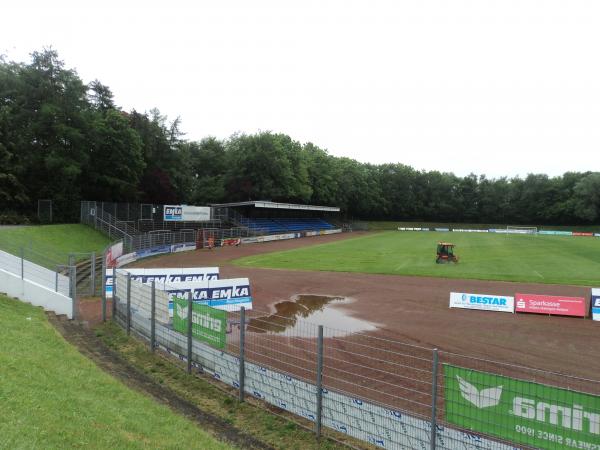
587 197
116 163
100 96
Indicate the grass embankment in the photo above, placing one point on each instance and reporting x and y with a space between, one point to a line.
484 256
49 245
53 397
250 416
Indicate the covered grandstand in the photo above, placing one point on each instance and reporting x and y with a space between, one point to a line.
149 225
270 217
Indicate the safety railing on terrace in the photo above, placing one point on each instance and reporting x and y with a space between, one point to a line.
384 392
94 215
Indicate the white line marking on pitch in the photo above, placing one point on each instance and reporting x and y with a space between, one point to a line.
538 274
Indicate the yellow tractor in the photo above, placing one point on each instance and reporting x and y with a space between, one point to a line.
445 253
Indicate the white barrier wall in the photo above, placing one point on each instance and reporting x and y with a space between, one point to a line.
33 272
36 294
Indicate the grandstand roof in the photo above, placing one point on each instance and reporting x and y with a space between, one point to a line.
275 205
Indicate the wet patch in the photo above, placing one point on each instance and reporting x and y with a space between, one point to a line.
290 318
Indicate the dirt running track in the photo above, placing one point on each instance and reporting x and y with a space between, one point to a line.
415 309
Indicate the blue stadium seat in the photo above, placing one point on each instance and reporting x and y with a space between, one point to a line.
287 224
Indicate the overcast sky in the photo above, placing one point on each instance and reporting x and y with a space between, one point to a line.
494 87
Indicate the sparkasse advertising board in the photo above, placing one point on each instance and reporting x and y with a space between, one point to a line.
550 304
519 411
485 302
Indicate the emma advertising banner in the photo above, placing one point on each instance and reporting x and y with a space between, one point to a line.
185 213
550 304
487 302
162 276
229 295
522 412
208 324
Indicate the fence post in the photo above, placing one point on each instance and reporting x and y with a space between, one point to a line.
189 334
93 275
128 304
319 382
114 294
103 286
434 372
22 263
153 317
73 290
242 374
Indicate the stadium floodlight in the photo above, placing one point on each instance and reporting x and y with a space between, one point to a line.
521 230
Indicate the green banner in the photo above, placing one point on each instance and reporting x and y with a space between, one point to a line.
208 324
521 412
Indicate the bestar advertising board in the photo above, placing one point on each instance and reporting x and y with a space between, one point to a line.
550 304
486 302
208 324
595 304
520 411
162 276
229 295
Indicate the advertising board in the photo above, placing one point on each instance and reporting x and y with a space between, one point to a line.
183 247
186 213
229 295
556 233
519 411
550 304
595 304
582 233
208 324
126 259
114 252
162 276
231 242
486 302
153 251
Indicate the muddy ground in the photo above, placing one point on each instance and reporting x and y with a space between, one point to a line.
415 309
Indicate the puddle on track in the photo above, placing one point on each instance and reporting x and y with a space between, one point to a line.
290 317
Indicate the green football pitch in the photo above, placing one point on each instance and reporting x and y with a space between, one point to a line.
483 256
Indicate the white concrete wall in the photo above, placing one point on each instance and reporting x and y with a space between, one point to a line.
35 273
36 294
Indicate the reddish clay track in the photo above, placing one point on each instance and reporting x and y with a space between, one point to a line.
415 309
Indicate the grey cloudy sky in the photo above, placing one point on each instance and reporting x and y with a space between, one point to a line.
501 87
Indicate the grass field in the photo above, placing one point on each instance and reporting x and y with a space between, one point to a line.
483 256
53 397
47 244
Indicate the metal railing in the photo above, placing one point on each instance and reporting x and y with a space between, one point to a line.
385 392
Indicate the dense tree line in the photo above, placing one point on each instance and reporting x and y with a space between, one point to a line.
65 140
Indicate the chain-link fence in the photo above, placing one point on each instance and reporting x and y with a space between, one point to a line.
44 211
385 392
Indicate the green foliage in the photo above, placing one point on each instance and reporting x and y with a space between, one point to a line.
53 397
63 140
483 256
